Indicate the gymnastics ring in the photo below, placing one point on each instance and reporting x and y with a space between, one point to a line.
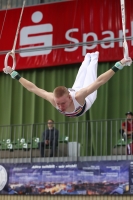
12 54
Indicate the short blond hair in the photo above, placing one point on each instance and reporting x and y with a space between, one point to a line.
60 91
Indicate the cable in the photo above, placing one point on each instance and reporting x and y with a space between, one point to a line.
3 24
61 46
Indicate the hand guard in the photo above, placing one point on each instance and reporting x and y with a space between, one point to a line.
120 66
15 75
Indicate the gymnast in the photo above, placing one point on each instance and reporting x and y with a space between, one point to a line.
75 101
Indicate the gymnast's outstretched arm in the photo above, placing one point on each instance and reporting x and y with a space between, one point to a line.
31 86
36 90
102 79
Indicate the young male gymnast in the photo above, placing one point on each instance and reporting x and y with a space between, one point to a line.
75 101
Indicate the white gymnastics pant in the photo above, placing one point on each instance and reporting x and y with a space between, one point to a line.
87 74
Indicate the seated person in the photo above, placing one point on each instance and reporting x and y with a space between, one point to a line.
127 126
49 139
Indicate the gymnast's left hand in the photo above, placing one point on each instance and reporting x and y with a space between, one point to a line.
126 61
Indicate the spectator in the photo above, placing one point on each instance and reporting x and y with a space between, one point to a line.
127 126
49 139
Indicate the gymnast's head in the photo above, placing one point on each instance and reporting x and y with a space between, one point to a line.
62 97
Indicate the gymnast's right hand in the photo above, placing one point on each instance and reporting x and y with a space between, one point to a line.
7 70
14 74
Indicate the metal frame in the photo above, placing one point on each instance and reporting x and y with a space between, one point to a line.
8 4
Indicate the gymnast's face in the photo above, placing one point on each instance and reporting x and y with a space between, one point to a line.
63 102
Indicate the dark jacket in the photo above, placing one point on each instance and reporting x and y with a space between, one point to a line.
52 135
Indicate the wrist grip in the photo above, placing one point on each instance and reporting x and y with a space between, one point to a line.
117 66
15 75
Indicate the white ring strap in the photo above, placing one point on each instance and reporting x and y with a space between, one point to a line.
12 53
125 46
